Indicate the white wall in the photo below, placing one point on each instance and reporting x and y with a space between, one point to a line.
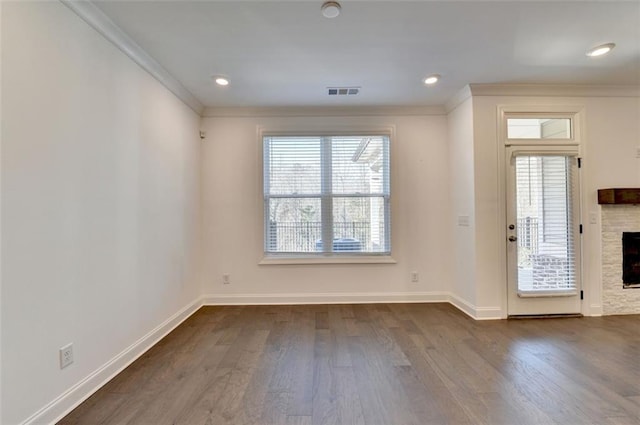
100 204
610 139
461 174
233 221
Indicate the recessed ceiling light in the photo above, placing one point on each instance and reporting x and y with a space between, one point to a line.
600 50
331 9
431 79
222 81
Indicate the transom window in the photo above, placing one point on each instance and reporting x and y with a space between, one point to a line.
326 195
538 128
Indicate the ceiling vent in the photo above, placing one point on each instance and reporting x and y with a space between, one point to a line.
343 91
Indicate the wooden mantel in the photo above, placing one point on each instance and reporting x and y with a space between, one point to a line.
619 196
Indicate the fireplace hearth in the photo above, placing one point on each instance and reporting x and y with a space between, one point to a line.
631 259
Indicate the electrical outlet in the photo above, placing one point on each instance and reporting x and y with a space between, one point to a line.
226 279
414 277
637 151
66 356
593 217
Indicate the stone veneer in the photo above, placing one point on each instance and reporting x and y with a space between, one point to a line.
615 220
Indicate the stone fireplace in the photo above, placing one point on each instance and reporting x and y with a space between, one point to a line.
620 218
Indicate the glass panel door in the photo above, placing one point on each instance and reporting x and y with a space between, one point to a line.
543 233
544 219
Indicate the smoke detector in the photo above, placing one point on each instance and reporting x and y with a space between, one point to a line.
330 9
343 91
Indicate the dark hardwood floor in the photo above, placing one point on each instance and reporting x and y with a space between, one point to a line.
388 364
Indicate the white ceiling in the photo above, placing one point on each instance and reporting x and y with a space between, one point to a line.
285 53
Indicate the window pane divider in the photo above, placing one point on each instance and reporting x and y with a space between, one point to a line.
326 200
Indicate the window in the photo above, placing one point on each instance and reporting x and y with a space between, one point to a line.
326 195
539 128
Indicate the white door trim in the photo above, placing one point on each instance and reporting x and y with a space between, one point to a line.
577 112
565 301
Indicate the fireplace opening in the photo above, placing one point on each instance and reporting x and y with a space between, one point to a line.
631 259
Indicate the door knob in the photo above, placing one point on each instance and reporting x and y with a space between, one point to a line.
512 226
512 238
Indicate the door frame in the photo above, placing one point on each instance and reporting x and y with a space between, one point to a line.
547 302
504 111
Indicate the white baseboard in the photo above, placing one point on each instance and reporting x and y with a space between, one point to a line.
326 298
462 305
476 313
66 402
69 400
595 310
489 313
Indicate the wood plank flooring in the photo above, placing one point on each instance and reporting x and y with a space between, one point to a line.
387 364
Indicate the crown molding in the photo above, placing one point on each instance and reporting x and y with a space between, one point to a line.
322 111
93 16
555 90
457 99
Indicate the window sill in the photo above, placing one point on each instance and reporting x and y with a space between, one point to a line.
548 293
328 259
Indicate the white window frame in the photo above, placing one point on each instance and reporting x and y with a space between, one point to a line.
326 257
